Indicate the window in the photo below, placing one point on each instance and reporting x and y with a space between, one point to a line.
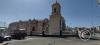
54 10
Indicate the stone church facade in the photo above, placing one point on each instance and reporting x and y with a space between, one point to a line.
51 26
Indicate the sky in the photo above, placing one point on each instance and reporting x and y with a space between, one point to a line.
85 13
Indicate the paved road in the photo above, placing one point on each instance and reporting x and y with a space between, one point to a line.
53 41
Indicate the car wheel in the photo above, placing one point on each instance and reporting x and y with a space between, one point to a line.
8 39
1 41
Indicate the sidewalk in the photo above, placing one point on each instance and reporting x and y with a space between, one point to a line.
4 43
53 41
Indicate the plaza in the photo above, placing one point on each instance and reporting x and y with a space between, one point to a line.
52 41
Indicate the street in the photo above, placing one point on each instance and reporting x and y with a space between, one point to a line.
53 41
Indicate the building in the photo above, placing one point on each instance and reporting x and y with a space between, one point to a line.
3 30
98 28
51 26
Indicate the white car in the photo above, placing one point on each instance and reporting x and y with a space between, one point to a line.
7 37
96 36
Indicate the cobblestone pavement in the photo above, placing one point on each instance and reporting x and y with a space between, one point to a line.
52 41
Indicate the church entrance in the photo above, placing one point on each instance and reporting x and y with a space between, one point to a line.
33 31
33 28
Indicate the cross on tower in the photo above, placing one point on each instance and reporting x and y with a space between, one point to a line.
56 1
56 8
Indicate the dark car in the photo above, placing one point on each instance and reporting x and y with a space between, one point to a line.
1 39
19 34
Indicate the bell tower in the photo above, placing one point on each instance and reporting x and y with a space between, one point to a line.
56 21
56 8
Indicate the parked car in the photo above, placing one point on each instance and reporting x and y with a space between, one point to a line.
1 39
19 34
96 36
7 37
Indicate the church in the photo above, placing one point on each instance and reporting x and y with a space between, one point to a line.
50 26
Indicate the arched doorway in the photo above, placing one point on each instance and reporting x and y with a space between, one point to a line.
32 31
33 28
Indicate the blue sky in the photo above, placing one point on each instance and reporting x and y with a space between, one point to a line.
76 12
